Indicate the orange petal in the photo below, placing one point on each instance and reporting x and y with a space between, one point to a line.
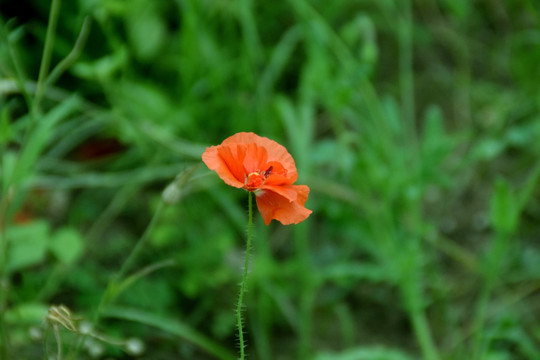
256 158
289 192
279 176
303 192
233 156
226 161
272 205
275 151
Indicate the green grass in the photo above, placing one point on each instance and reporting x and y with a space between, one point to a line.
415 124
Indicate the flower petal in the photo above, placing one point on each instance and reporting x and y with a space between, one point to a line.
256 158
278 175
303 192
275 151
289 192
226 161
272 205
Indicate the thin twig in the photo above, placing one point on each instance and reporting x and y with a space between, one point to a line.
47 54
72 56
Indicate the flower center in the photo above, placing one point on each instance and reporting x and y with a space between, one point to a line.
255 179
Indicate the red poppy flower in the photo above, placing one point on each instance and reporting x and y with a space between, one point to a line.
258 164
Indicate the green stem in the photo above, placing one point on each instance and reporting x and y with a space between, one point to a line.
72 56
500 245
307 288
423 334
19 78
413 293
406 68
47 54
243 284
58 342
4 285
4 276
113 286
4 202
110 293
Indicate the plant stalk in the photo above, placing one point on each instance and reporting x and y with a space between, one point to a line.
423 334
4 285
243 284
47 55
4 276
110 293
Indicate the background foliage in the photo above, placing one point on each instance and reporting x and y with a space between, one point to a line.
415 124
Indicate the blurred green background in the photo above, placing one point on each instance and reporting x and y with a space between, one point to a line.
416 124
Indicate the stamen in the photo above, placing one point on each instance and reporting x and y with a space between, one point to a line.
268 171
257 178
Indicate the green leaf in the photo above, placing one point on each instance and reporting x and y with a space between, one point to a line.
27 245
365 353
39 137
5 128
171 326
7 167
145 33
355 272
504 208
487 149
129 281
67 245
27 313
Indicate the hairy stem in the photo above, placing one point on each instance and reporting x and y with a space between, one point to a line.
243 284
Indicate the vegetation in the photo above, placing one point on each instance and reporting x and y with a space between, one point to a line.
414 123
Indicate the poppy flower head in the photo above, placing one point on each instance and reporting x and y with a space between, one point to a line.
264 167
